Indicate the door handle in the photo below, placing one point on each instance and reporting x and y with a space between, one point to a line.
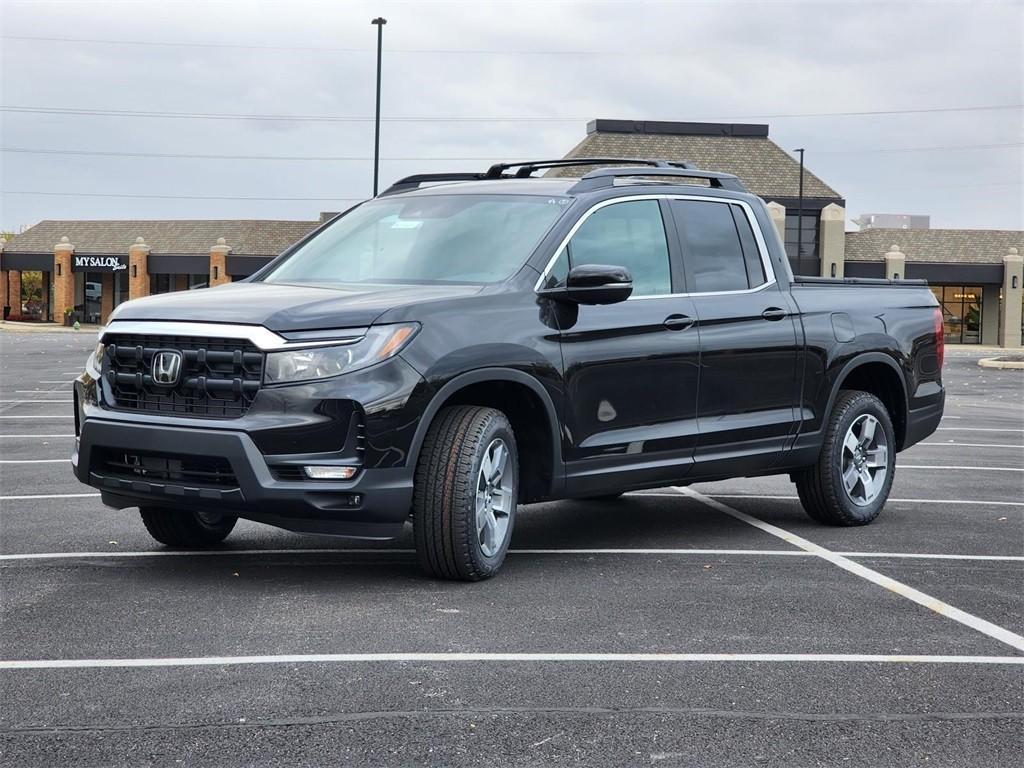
678 322
774 313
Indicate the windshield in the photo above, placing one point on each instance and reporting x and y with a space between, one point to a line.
429 239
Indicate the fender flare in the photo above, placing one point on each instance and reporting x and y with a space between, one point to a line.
491 374
856 362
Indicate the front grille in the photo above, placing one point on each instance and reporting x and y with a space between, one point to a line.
192 471
219 378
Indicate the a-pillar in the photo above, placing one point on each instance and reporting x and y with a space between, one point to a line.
219 263
138 269
1013 296
63 280
832 240
895 263
778 213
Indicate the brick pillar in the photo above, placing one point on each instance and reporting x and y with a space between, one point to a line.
219 263
1013 296
3 278
778 213
106 295
14 291
45 285
895 263
63 279
832 240
138 271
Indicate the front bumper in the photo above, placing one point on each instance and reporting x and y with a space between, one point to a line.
277 434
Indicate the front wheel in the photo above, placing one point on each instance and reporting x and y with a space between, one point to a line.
850 483
185 527
466 487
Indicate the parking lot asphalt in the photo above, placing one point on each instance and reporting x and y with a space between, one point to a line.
717 628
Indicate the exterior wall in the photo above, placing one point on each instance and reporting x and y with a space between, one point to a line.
14 291
63 279
138 274
990 314
1013 297
832 241
219 263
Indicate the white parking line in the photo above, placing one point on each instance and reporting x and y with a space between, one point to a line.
50 496
36 417
782 497
970 445
23 436
977 429
445 658
931 603
973 469
34 461
587 552
14 402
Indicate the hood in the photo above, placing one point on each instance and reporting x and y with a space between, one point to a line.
287 307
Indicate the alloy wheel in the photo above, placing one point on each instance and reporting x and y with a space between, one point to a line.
494 498
865 461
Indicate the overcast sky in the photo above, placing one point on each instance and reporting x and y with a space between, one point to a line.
544 68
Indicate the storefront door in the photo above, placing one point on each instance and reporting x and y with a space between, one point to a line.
961 312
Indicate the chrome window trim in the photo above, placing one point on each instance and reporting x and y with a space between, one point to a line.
264 338
762 246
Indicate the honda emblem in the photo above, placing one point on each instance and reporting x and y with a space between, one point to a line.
167 367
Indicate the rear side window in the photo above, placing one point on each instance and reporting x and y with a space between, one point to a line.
719 250
630 235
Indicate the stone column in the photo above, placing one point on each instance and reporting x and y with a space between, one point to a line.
895 263
832 241
778 213
989 314
219 263
63 279
138 271
1013 295
3 278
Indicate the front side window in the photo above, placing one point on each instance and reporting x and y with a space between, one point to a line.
425 239
630 235
719 250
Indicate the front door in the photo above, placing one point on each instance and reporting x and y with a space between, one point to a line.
749 350
630 368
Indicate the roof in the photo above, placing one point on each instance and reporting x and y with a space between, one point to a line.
744 150
184 236
973 246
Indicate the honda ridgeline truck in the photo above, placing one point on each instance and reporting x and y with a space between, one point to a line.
465 343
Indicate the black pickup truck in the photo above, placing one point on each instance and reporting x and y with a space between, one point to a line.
465 343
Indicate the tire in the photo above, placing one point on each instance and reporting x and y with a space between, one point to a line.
185 527
822 488
449 542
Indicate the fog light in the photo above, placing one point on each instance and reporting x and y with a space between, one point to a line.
329 473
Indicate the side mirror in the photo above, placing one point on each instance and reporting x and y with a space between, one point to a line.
593 284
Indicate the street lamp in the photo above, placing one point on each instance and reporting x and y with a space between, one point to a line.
800 212
379 22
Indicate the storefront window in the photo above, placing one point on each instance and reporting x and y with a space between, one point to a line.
170 283
961 312
88 293
807 261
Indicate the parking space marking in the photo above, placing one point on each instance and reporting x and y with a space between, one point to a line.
23 436
978 429
604 551
952 444
35 417
934 604
362 658
33 461
50 496
15 402
973 469
780 497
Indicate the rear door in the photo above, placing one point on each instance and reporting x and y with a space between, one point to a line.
746 405
630 368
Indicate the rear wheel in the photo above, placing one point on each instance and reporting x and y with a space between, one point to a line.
851 481
185 527
466 488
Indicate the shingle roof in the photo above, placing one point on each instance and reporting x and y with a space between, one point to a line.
973 246
246 237
761 164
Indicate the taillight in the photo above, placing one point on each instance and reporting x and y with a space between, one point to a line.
940 338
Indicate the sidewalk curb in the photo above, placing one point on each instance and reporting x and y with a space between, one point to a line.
1006 365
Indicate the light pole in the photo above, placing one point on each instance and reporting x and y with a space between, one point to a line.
379 22
799 212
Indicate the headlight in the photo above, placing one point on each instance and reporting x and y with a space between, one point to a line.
379 343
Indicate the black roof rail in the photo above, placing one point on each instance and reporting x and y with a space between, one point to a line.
417 180
605 177
527 167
